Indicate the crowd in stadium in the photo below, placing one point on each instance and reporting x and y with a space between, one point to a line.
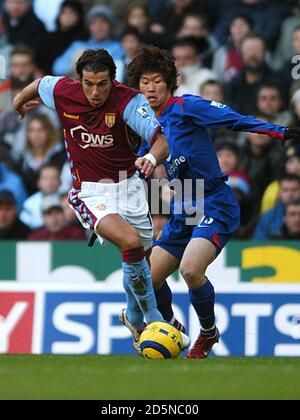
239 52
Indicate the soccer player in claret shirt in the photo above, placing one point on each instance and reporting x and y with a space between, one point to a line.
185 121
101 120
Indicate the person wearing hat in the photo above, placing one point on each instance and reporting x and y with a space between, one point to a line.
100 21
55 227
11 228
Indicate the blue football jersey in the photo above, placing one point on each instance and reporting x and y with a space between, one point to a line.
185 121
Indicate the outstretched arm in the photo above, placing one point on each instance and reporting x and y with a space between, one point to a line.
27 99
214 115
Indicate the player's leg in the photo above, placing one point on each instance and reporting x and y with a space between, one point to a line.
137 274
165 260
199 254
163 264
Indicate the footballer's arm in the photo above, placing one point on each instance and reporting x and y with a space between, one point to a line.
158 153
27 99
140 117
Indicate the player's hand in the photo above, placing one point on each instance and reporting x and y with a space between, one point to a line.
22 109
145 167
292 133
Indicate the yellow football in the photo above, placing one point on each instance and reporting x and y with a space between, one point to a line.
160 340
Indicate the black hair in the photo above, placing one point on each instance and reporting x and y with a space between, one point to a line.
96 61
77 6
291 203
200 45
244 17
269 84
290 177
152 60
131 30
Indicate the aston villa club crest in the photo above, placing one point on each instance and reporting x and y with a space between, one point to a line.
110 120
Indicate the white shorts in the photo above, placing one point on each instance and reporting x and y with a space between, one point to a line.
128 199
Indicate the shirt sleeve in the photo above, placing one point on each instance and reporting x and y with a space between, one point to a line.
140 117
215 115
46 90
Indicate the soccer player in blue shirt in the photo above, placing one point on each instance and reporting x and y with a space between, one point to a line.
192 248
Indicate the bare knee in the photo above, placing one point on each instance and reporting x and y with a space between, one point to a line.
132 241
193 277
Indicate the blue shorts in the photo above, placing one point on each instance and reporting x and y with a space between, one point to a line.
221 221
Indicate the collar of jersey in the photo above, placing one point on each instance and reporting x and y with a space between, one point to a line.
169 103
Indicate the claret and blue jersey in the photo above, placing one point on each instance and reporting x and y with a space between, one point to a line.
185 121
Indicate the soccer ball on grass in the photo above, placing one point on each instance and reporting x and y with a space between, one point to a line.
160 340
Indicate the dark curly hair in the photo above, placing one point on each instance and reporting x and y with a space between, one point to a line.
96 61
152 60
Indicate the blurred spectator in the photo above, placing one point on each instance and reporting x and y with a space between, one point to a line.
291 227
285 49
23 27
228 155
131 41
242 90
117 6
188 64
271 224
22 73
137 16
270 103
286 69
100 24
55 226
10 181
42 147
11 228
49 183
170 15
70 216
13 130
69 28
47 14
212 90
5 50
267 19
292 167
263 159
197 25
228 61
169 18
295 103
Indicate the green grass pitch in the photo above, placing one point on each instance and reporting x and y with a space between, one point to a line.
133 378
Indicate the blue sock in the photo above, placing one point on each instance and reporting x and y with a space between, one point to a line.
133 310
203 300
138 277
164 302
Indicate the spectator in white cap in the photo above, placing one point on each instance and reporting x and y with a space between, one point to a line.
100 22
